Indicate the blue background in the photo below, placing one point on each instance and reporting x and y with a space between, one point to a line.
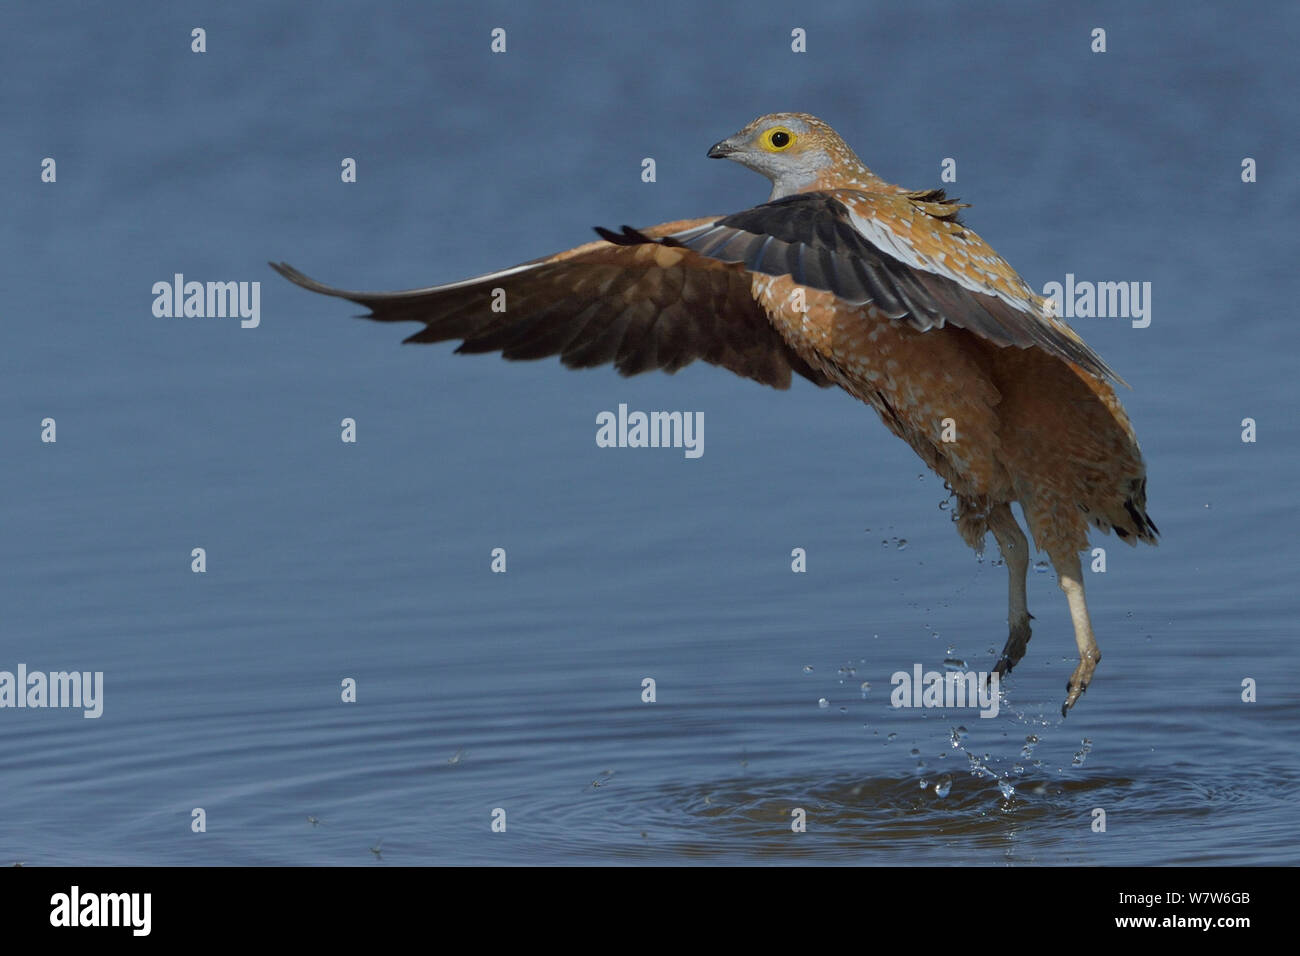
371 560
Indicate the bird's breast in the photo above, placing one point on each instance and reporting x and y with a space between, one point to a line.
931 388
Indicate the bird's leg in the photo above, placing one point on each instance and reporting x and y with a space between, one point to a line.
1015 552
1070 576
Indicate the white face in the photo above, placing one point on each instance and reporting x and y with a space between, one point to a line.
782 147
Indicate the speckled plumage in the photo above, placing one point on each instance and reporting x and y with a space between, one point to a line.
845 280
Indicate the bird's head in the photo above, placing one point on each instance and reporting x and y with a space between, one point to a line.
793 150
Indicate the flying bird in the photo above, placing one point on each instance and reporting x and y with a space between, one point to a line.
845 280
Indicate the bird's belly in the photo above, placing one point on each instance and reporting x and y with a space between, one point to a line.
930 388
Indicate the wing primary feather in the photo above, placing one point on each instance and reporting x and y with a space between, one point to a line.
618 238
708 242
754 261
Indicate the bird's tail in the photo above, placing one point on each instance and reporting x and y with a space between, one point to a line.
1125 513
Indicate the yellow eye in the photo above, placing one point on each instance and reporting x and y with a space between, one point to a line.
778 138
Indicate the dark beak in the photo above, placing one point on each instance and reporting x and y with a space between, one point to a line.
721 150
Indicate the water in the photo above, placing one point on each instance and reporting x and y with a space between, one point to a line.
478 691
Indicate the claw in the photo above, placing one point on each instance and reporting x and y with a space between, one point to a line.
1017 642
1071 697
1078 683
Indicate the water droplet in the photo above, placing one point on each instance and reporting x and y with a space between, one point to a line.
807 668
844 710
954 664
924 783
823 703
943 505
1041 567
943 787
866 688
892 737
1085 748
1017 770
1008 791
902 543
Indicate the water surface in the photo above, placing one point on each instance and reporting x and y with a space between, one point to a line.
522 691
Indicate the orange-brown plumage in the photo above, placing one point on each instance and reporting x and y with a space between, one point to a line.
846 280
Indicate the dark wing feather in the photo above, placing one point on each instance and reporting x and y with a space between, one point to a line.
637 306
812 238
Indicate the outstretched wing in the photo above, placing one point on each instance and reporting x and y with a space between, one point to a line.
894 252
640 307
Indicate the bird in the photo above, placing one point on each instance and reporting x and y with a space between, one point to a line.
848 281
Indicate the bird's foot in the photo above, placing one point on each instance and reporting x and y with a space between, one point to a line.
1079 681
1017 644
